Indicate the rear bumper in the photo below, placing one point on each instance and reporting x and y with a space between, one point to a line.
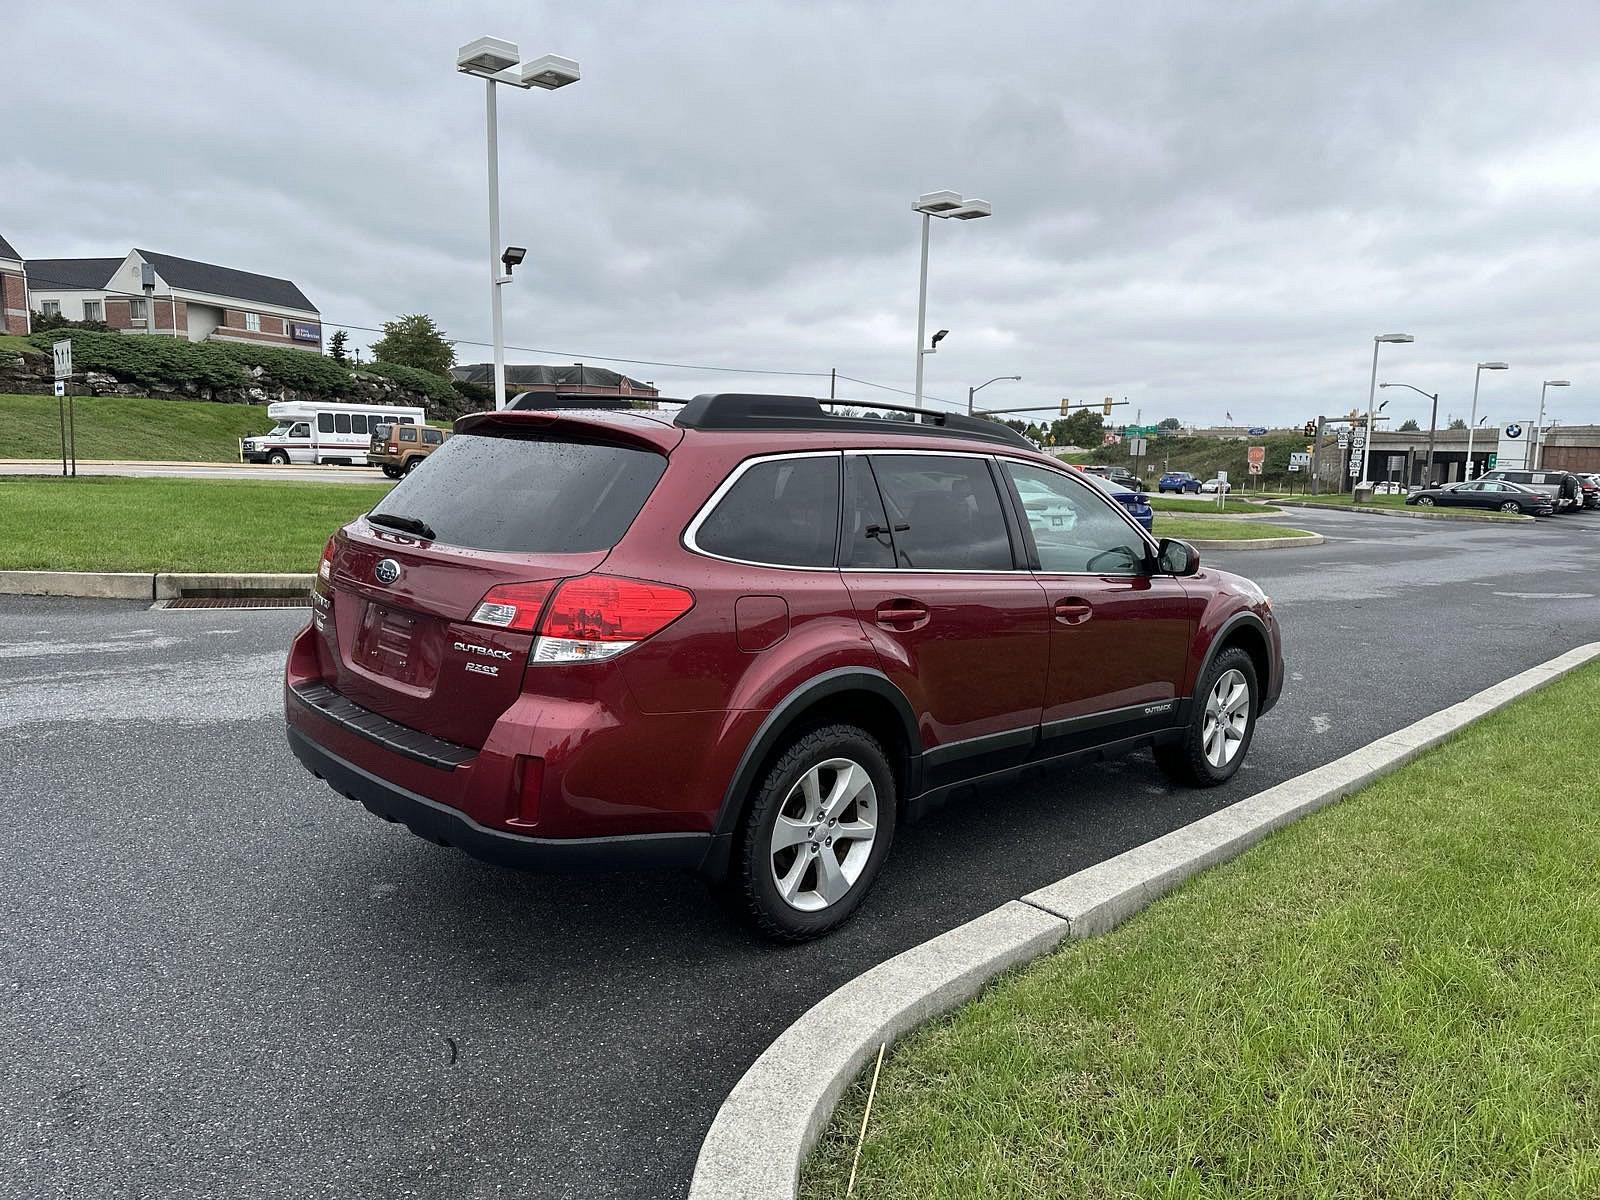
446 826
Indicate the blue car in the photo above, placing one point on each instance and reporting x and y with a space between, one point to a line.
1137 503
1180 482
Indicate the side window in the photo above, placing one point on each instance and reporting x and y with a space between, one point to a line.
1076 531
358 423
325 422
341 422
302 430
408 433
867 539
945 512
784 512
432 437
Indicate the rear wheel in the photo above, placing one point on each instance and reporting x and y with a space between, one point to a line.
392 471
1220 726
815 834
411 465
1511 506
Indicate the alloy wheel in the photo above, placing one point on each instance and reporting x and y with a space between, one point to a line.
824 834
1425 501
1227 718
1510 506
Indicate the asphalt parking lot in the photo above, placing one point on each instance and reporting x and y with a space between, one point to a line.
222 980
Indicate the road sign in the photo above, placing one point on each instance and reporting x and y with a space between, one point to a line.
63 356
1136 447
1298 459
1294 466
1256 457
1222 477
1513 430
1257 431
61 388
1344 438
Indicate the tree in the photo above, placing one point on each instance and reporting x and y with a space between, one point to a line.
414 340
1409 426
1083 428
1458 423
336 345
1170 423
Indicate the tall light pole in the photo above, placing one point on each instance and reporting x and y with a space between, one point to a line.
1372 395
973 391
1538 428
1472 425
942 205
1433 424
497 61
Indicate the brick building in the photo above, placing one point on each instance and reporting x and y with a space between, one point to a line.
196 300
13 291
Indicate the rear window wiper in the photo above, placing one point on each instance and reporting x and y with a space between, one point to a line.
408 524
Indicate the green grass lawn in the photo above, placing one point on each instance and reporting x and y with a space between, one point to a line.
1233 531
130 428
106 524
1395 997
10 341
1195 504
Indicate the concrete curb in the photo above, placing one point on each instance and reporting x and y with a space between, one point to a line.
1273 543
775 1113
1413 514
149 585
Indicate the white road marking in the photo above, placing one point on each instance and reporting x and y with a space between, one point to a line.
1321 723
1546 595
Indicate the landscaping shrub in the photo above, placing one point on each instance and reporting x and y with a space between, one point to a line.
437 388
295 369
170 364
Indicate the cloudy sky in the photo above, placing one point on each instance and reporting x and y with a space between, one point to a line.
1201 208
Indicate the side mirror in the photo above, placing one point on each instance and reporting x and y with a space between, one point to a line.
1177 558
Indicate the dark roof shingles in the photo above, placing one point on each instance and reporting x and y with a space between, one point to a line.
70 274
195 276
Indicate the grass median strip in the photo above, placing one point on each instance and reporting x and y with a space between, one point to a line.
1195 504
111 524
1393 997
1184 526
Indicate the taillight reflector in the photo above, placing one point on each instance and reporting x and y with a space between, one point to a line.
513 605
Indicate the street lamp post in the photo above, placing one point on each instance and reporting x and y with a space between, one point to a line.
973 391
497 61
1538 428
1372 394
1472 425
943 205
1433 424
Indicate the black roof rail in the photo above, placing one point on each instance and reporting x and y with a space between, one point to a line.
753 410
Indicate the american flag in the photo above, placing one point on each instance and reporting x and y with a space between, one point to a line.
1229 415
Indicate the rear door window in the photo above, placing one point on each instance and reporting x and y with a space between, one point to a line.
783 512
525 495
945 512
867 539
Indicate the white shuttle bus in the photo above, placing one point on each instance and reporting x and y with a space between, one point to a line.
309 432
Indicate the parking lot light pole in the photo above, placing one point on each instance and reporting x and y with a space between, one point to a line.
1538 427
1472 425
973 391
943 205
1433 424
1372 395
497 61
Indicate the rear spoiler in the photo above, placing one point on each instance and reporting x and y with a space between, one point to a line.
606 428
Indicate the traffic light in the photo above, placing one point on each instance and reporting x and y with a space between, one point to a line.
1106 408
1066 407
1311 429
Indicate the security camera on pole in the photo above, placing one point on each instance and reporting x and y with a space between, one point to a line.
496 61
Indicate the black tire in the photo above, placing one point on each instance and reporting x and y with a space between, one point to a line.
752 881
1185 761
1424 501
392 471
278 459
1511 506
411 465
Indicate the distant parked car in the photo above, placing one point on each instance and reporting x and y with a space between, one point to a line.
1117 475
1215 485
1495 495
1136 502
1178 481
1591 490
1562 487
398 449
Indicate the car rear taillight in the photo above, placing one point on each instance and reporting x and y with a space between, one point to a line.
325 567
394 447
591 617
513 605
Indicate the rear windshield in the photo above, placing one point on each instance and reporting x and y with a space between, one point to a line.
535 497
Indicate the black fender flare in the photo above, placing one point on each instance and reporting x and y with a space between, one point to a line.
1243 617
782 717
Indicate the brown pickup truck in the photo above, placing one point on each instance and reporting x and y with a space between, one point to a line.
399 448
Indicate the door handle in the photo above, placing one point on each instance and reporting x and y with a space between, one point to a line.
1073 610
902 616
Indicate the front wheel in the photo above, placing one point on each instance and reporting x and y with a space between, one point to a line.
1221 723
278 459
1424 501
816 833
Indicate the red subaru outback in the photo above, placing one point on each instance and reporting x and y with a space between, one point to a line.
750 639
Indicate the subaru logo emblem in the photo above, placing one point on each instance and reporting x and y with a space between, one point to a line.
387 571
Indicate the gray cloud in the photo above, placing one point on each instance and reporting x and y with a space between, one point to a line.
1203 207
